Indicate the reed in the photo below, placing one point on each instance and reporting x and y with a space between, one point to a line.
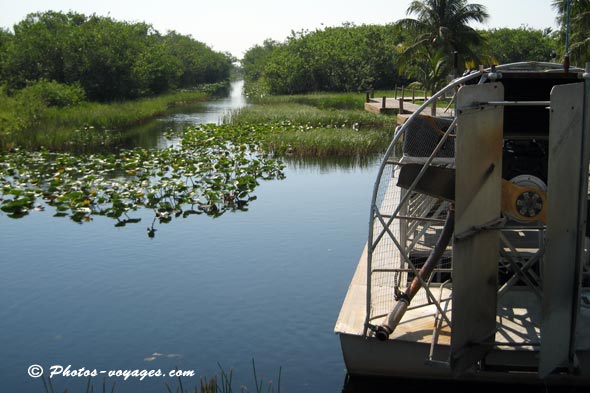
318 100
313 125
328 142
206 385
310 115
88 123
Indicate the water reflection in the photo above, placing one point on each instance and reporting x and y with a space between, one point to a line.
328 164
265 285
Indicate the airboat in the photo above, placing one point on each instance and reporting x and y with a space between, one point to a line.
476 266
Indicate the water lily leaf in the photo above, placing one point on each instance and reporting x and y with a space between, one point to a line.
213 167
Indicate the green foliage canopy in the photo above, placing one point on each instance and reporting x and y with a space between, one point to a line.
110 60
439 29
515 45
344 58
579 29
444 25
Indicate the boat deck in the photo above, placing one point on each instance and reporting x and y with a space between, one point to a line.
518 319
407 352
518 322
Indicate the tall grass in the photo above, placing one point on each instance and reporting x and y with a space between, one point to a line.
310 115
206 385
318 125
318 100
328 142
89 123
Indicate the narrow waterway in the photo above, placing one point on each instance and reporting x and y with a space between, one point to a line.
151 134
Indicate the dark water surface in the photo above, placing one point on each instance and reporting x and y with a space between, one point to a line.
266 284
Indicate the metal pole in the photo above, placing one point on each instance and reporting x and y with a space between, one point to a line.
567 28
566 58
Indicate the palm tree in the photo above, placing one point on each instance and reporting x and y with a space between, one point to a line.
579 37
428 67
442 26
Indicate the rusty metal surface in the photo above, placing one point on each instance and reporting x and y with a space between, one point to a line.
560 269
477 202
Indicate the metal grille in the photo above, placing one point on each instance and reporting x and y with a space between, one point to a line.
405 224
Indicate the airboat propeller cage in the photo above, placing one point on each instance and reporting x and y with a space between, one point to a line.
519 162
403 299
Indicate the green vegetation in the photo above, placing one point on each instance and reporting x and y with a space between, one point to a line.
580 25
419 49
503 46
109 60
443 26
346 58
213 169
317 125
62 75
440 29
53 116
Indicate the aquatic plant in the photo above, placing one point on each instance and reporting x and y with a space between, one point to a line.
211 170
291 128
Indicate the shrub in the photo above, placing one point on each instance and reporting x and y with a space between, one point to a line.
52 93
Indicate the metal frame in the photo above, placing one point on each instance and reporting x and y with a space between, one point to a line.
375 213
520 265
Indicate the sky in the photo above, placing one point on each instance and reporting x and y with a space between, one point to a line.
236 25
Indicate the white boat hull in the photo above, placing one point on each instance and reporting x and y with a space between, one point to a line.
404 359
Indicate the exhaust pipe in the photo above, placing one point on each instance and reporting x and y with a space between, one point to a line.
383 331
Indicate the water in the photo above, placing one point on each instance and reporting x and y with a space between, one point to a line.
150 135
266 285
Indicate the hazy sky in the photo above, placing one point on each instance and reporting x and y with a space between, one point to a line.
237 25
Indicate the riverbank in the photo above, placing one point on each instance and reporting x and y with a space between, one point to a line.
35 125
309 125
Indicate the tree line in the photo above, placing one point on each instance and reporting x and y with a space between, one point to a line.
434 42
344 58
103 58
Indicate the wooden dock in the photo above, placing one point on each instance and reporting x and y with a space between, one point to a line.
395 106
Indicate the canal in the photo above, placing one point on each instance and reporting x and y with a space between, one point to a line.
206 294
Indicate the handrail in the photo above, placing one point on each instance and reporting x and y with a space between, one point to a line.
552 66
